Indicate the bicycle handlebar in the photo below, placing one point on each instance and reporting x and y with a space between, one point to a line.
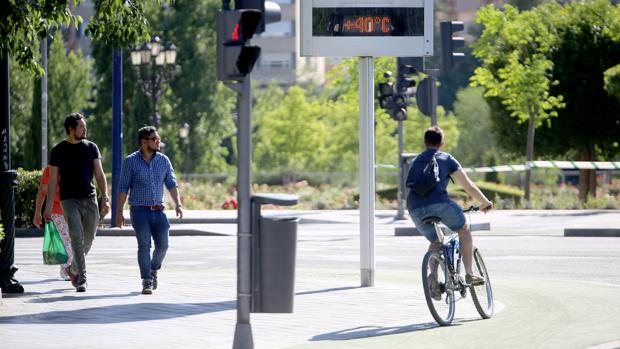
471 208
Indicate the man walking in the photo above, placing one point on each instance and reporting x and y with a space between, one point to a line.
77 160
143 175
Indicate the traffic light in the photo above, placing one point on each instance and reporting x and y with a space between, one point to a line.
449 58
406 68
386 91
235 59
393 102
271 11
398 111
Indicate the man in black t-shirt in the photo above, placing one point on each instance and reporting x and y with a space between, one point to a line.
77 160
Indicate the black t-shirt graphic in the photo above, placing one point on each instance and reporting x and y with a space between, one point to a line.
75 166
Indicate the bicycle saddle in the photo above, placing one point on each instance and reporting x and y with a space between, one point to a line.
431 220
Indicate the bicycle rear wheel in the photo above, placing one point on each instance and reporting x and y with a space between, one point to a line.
439 299
482 295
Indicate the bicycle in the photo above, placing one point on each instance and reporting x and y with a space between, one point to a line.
443 277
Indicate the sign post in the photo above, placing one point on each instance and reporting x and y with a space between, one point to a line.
366 29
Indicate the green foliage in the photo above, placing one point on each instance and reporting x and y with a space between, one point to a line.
300 132
22 131
579 32
119 23
497 193
290 136
1 233
473 115
193 96
25 196
612 81
515 67
590 120
70 87
23 22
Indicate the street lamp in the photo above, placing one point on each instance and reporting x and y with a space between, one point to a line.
184 135
154 63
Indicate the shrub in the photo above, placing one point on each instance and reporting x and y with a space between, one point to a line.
1 233
500 191
25 196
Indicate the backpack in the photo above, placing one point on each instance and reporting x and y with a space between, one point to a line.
423 177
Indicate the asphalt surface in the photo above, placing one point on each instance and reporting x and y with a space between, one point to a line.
550 291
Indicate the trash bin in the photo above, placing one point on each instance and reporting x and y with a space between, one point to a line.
274 247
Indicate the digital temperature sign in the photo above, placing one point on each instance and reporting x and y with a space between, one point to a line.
368 22
349 28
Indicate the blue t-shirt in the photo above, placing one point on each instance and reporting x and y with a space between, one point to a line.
447 166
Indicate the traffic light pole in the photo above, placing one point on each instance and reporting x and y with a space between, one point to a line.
367 170
432 99
400 212
8 180
243 329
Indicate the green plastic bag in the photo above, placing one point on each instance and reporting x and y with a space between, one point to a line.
53 248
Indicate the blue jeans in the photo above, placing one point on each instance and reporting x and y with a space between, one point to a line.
451 215
147 224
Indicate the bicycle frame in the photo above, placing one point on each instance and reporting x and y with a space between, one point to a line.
448 248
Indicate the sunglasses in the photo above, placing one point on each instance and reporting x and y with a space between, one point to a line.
154 138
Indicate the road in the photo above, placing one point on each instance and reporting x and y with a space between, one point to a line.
551 292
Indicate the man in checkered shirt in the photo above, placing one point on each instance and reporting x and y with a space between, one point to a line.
143 175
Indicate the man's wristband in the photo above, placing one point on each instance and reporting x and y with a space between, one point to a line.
179 206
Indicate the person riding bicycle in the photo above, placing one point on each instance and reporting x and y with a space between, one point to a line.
436 201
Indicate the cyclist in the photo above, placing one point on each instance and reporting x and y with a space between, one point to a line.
436 202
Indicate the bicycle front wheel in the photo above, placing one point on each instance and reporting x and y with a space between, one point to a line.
482 295
439 298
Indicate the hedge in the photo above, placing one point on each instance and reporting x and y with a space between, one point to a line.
25 196
493 191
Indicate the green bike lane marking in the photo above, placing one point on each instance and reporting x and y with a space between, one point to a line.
536 314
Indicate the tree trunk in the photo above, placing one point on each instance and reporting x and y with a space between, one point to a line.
587 178
529 155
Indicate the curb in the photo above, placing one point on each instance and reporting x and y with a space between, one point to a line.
413 231
37 233
591 232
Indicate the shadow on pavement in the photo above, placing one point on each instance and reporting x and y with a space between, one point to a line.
44 281
335 289
372 331
74 297
120 313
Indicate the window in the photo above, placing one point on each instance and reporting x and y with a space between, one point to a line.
283 28
276 60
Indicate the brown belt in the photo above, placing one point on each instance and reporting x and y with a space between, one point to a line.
154 207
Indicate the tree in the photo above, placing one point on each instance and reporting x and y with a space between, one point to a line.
70 88
22 86
193 96
588 43
473 116
23 22
291 136
515 68
590 119
612 81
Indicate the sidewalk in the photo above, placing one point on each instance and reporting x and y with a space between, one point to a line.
194 306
